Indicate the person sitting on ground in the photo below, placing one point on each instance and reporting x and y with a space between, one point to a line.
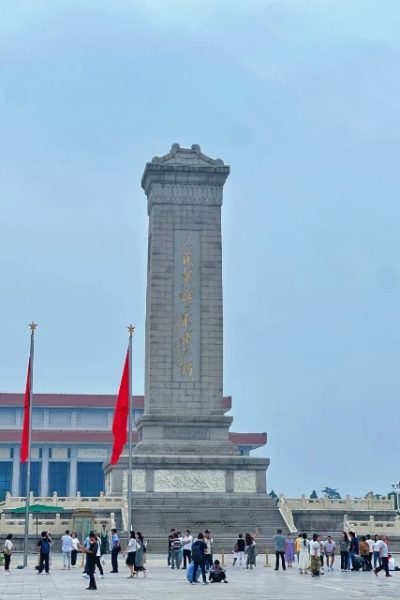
217 573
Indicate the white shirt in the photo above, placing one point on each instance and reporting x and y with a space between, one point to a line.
329 546
98 553
75 543
315 549
377 546
9 545
371 545
187 542
132 545
66 542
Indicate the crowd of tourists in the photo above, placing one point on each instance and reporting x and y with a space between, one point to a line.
315 555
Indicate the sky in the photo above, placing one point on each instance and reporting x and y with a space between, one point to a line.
300 98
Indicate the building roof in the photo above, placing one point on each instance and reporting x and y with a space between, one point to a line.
81 400
66 436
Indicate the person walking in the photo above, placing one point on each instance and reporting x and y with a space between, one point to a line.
98 557
139 557
115 550
75 548
377 556
187 548
344 552
315 553
91 554
131 554
384 556
198 557
8 549
279 541
44 553
250 551
240 548
304 555
66 549
289 551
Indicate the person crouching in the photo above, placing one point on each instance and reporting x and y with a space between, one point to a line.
217 573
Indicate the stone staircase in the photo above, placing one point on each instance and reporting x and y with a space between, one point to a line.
224 515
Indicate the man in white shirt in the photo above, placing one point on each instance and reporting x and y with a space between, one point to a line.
66 548
384 555
315 554
371 551
329 547
187 541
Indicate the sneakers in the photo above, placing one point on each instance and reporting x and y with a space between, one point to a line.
205 582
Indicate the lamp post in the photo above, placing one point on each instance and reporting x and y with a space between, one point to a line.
396 489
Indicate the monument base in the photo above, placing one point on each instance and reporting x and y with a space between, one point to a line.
225 494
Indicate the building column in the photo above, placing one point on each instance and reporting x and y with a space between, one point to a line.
15 473
73 471
44 478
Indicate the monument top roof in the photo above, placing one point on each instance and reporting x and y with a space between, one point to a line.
190 157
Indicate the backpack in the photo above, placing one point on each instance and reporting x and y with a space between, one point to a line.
45 547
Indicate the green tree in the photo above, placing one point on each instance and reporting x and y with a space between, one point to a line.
314 495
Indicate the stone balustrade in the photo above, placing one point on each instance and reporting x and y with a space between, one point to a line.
347 503
56 524
372 526
66 502
287 514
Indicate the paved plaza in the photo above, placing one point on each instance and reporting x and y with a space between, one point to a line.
161 582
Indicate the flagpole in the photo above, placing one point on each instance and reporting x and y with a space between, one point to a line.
131 330
28 466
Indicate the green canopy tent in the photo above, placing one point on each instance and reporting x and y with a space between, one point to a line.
38 509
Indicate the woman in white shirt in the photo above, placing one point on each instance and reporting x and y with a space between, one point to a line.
7 551
304 554
131 554
75 548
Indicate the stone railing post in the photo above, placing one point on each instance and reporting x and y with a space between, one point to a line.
303 501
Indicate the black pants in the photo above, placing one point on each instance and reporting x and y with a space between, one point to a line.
217 577
99 566
90 571
344 560
384 565
202 565
187 556
282 555
114 560
43 562
370 560
7 559
74 554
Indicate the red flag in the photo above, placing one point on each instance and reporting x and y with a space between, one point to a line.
120 422
26 422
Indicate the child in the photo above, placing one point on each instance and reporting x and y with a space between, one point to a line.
217 573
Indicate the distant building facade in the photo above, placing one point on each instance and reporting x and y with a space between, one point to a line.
71 439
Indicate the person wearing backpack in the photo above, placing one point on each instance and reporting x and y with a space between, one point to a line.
7 551
199 560
44 549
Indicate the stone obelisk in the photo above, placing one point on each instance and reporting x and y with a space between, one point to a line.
184 411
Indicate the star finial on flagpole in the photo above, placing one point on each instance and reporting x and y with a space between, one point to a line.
33 326
131 329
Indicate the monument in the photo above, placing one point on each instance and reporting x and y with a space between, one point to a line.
184 459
